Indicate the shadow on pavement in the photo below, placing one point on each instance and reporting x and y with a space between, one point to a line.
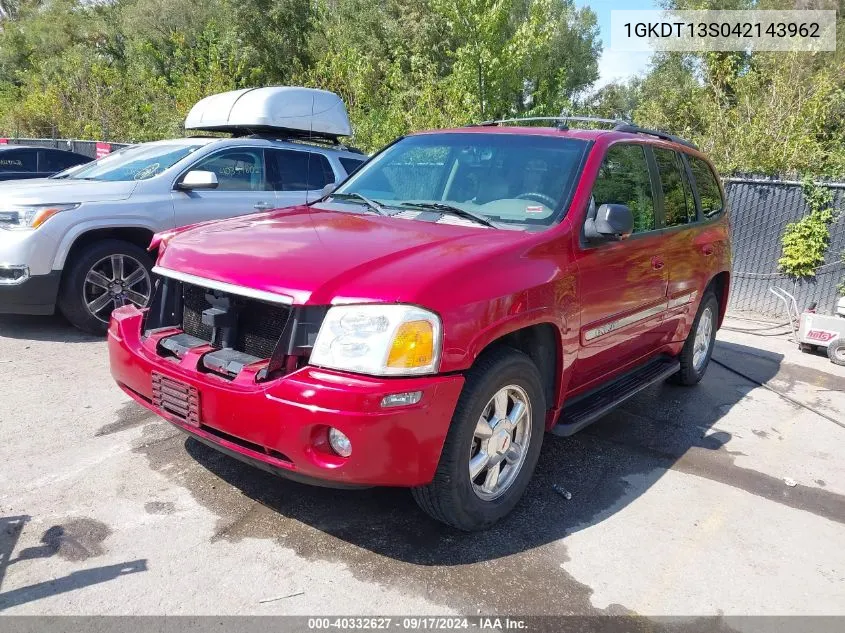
43 328
52 542
605 468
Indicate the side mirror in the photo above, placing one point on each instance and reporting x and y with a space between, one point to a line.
612 221
328 189
198 179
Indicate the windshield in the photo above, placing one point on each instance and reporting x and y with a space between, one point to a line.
507 178
138 162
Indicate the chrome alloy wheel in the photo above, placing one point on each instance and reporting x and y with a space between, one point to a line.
703 335
115 281
500 442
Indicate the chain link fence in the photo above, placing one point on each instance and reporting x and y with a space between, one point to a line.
760 210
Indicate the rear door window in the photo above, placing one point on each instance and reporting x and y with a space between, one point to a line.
19 160
709 194
624 179
678 203
299 171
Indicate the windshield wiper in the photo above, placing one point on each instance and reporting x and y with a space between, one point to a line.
372 204
448 208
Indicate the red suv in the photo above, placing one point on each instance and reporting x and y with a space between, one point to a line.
424 324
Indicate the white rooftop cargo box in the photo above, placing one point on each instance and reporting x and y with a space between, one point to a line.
299 111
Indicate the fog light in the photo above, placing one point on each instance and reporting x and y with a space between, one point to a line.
401 399
340 443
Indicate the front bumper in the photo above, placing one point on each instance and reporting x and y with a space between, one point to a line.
35 295
282 424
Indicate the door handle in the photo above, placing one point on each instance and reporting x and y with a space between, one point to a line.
657 263
262 206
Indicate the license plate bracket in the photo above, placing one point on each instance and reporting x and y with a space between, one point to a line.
176 398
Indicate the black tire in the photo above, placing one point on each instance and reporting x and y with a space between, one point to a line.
450 497
71 298
808 348
690 374
836 351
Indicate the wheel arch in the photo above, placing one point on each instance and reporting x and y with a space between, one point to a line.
542 342
140 235
721 286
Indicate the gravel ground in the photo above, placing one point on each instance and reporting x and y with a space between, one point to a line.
723 498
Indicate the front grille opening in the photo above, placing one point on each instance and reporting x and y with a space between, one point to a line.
257 325
247 330
252 446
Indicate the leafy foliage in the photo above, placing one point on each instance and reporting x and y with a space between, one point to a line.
805 242
130 69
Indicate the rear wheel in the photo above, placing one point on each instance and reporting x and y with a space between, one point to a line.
492 446
836 351
698 348
104 276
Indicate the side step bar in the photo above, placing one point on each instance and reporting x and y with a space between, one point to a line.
591 406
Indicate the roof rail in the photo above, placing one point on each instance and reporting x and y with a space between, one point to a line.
560 121
320 141
619 125
636 129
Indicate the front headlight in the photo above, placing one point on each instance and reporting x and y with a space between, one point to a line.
31 216
383 340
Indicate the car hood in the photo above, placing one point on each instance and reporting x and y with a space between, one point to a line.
61 190
321 257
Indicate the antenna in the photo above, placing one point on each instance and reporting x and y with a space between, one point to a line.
308 163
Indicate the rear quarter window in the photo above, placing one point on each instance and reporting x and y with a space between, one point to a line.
709 193
350 165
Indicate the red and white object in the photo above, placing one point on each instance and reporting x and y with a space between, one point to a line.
103 149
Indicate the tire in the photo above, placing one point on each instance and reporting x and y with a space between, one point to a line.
78 289
453 497
836 351
807 348
693 365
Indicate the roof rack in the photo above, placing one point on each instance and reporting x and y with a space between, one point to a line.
320 141
560 121
636 129
619 125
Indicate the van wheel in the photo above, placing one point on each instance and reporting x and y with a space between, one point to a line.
492 446
102 277
836 351
695 356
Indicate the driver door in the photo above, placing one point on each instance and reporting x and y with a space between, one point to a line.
622 284
242 187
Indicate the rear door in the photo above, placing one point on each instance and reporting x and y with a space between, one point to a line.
693 242
680 220
242 187
622 284
297 176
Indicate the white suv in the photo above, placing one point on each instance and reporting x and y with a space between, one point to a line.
78 240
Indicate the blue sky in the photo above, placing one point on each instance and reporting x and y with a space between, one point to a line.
617 64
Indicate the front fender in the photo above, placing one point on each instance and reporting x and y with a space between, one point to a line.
77 230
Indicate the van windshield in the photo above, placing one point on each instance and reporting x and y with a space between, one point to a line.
138 162
518 179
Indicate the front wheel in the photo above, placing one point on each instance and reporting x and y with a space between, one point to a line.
698 348
492 446
104 276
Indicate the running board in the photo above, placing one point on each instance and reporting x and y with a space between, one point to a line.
590 407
